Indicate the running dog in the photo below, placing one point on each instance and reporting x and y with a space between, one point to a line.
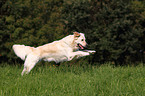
62 50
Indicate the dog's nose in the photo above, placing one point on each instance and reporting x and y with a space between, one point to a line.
86 44
85 47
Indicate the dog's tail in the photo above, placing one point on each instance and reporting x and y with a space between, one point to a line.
22 51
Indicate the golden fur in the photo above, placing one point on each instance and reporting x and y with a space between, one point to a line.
58 51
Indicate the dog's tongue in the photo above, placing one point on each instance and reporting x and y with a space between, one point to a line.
81 46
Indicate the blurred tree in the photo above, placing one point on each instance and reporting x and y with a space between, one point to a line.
115 29
28 22
111 28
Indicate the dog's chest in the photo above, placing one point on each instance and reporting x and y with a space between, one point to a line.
57 59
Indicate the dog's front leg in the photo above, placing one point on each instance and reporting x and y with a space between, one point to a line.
90 51
78 54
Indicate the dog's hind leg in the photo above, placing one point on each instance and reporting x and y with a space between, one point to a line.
24 70
30 62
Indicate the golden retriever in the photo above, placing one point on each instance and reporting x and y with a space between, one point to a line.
62 50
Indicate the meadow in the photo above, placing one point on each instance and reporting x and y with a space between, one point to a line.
75 80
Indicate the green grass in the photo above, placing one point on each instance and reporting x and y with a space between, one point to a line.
46 80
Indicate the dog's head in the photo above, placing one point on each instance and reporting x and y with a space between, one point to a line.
79 40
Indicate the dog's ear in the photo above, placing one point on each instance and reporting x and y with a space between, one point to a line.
76 34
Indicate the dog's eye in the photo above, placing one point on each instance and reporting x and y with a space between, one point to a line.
82 39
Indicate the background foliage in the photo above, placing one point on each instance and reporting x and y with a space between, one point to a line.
115 29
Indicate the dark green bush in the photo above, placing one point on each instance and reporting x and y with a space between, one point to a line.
115 29
112 28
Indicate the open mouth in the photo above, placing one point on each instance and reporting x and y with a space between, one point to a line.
80 46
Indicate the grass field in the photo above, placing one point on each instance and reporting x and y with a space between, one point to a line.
104 80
